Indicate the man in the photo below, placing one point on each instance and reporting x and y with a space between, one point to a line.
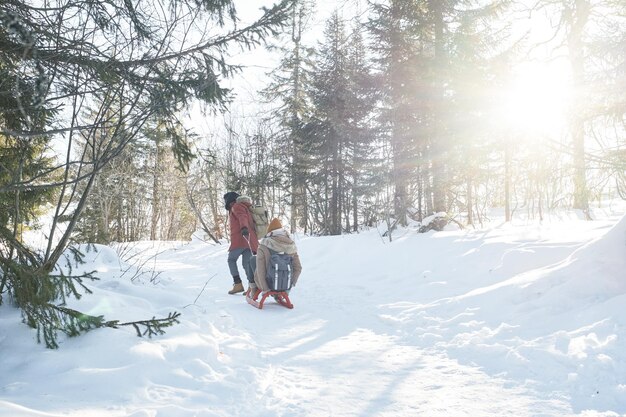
243 238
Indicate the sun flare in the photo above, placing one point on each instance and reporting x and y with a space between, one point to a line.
536 100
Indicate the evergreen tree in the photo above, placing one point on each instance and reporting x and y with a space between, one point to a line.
22 159
395 27
342 104
289 85
133 66
329 130
418 54
477 49
364 170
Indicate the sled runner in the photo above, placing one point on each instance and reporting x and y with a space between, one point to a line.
281 298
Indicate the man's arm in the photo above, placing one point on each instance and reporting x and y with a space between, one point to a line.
240 211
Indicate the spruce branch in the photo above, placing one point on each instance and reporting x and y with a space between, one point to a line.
49 319
153 327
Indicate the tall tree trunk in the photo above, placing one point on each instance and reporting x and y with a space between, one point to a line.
51 260
507 181
215 209
420 192
579 18
398 130
355 205
470 202
298 198
437 142
156 203
334 187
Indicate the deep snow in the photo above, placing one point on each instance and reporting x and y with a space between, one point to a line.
521 319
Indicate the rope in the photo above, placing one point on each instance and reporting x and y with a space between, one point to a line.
250 246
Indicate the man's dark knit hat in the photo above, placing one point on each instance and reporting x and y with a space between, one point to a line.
229 198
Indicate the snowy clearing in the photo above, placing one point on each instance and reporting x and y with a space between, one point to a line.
511 320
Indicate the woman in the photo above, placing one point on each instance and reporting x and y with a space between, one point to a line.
276 239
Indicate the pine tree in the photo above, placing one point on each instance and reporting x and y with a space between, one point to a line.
289 86
395 28
419 42
137 69
22 158
343 101
329 128
477 50
364 171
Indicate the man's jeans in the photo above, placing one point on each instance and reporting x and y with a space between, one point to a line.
246 255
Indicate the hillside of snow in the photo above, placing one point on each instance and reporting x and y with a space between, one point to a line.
522 319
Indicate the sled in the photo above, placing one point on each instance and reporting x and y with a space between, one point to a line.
281 298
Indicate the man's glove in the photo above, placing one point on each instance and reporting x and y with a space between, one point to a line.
244 231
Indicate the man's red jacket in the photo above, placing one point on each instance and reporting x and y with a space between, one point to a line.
239 217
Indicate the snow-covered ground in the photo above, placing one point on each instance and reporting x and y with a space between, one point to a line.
521 319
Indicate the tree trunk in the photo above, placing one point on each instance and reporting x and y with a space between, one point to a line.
154 223
507 181
470 202
298 208
579 18
437 142
355 206
398 136
51 261
334 187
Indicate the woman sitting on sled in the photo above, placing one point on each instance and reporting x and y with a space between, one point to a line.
275 247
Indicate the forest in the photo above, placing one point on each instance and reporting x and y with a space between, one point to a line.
383 111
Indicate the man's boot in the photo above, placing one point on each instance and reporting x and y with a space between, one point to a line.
237 287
